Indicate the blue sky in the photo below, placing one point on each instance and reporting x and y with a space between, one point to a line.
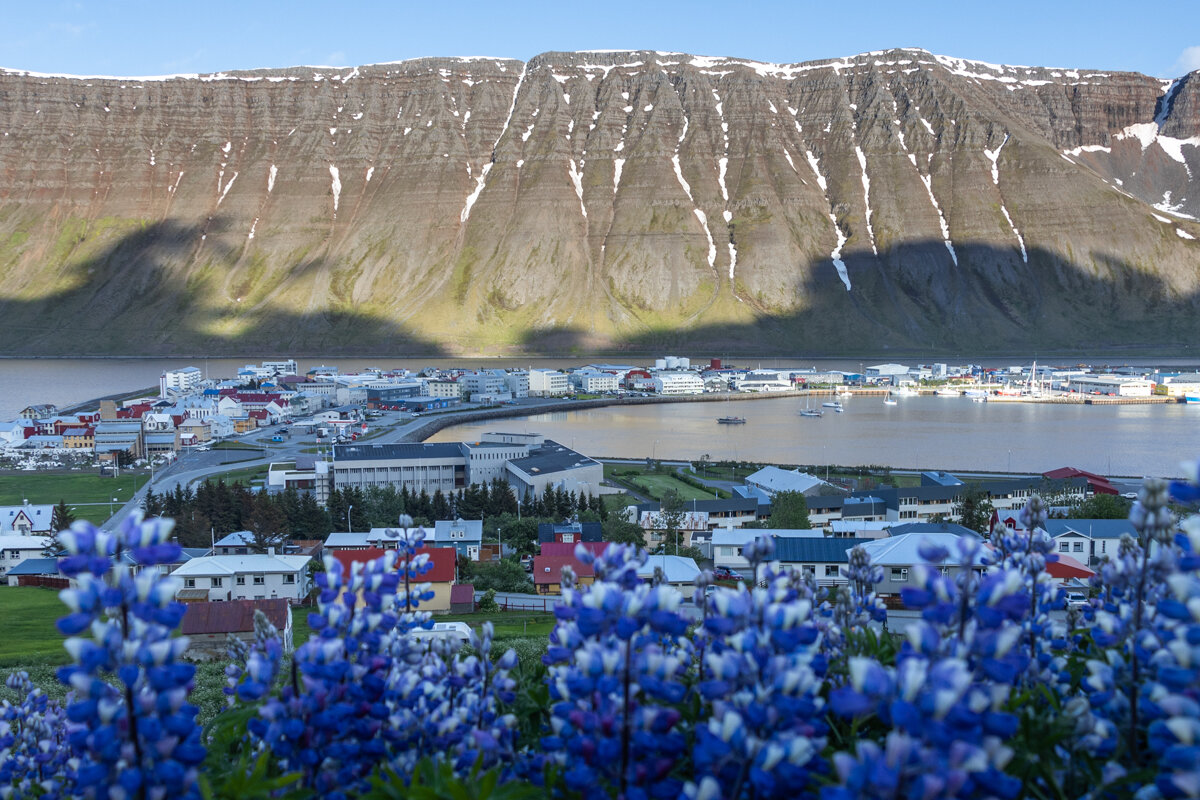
133 37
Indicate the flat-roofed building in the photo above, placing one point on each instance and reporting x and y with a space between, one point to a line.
548 383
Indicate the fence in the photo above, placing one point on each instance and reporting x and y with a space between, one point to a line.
544 604
44 581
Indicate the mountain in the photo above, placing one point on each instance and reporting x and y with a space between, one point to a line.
601 202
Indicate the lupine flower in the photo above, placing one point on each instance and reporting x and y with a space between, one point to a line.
33 747
131 728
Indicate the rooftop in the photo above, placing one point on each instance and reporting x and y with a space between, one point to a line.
371 452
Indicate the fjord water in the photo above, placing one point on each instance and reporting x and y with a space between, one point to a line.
942 432
918 432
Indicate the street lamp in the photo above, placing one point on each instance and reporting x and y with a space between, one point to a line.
349 525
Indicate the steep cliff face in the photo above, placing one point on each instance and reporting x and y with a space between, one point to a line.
600 201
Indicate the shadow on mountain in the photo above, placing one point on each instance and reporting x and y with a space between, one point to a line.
913 300
160 290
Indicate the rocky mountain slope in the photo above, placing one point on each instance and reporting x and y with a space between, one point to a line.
586 202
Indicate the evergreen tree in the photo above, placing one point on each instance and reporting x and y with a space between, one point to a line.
975 509
267 525
61 518
440 506
152 503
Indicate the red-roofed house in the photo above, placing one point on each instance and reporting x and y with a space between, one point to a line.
441 577
568 549
1068 569
547 573
1098 484
207 624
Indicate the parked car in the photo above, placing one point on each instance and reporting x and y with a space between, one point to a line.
726 574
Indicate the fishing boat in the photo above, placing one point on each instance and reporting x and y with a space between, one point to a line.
731 420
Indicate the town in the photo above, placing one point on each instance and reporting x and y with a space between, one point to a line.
352 441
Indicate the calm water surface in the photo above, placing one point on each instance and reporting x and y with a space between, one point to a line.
926 432
951 433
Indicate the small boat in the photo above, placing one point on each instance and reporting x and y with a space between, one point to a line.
731 420
811 412
888 400
836 406
1191 399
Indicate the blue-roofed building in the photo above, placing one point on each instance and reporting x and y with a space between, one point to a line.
939 478
570 532
822 558
1088 540
464 535
32 568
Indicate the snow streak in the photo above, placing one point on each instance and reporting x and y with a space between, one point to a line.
271 178
483 173
336 185
866 181
994 157
836 255
722 167
687 189
927 180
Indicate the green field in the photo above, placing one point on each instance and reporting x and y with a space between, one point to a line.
654 484
246 475
78 489
30 636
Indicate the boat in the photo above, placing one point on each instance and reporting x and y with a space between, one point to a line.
811 412
888 400
731 420
835 405
905 391
1192 399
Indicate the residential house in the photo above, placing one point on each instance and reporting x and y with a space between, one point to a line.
34 571
464 535
16 549
730 513
547 573
245 577
238 543
899 554
568 549
824 559
727 544
209 625
26 519
462 598
677 571
79 438
1089 540
570 532
440 577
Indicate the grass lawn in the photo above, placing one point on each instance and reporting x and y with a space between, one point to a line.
654 484
230 445
30 636
247 475
87 494
71 486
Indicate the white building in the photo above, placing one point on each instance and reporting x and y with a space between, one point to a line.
770 480
547 383
16 548
667 383
518 383
285 367
179 381
1117 385
247 577
595 382
444 388
488 382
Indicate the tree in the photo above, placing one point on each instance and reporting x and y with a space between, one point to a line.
1101 506
975 510
670 514
267 525
789 510
506 575
62 517
622 532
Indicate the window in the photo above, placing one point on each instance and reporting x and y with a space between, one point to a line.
1079 547
259 580
831 571
810 569
900 574
240 580
289 578
189 583
14 553
1064 547
216 582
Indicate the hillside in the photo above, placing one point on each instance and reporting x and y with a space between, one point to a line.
588 202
